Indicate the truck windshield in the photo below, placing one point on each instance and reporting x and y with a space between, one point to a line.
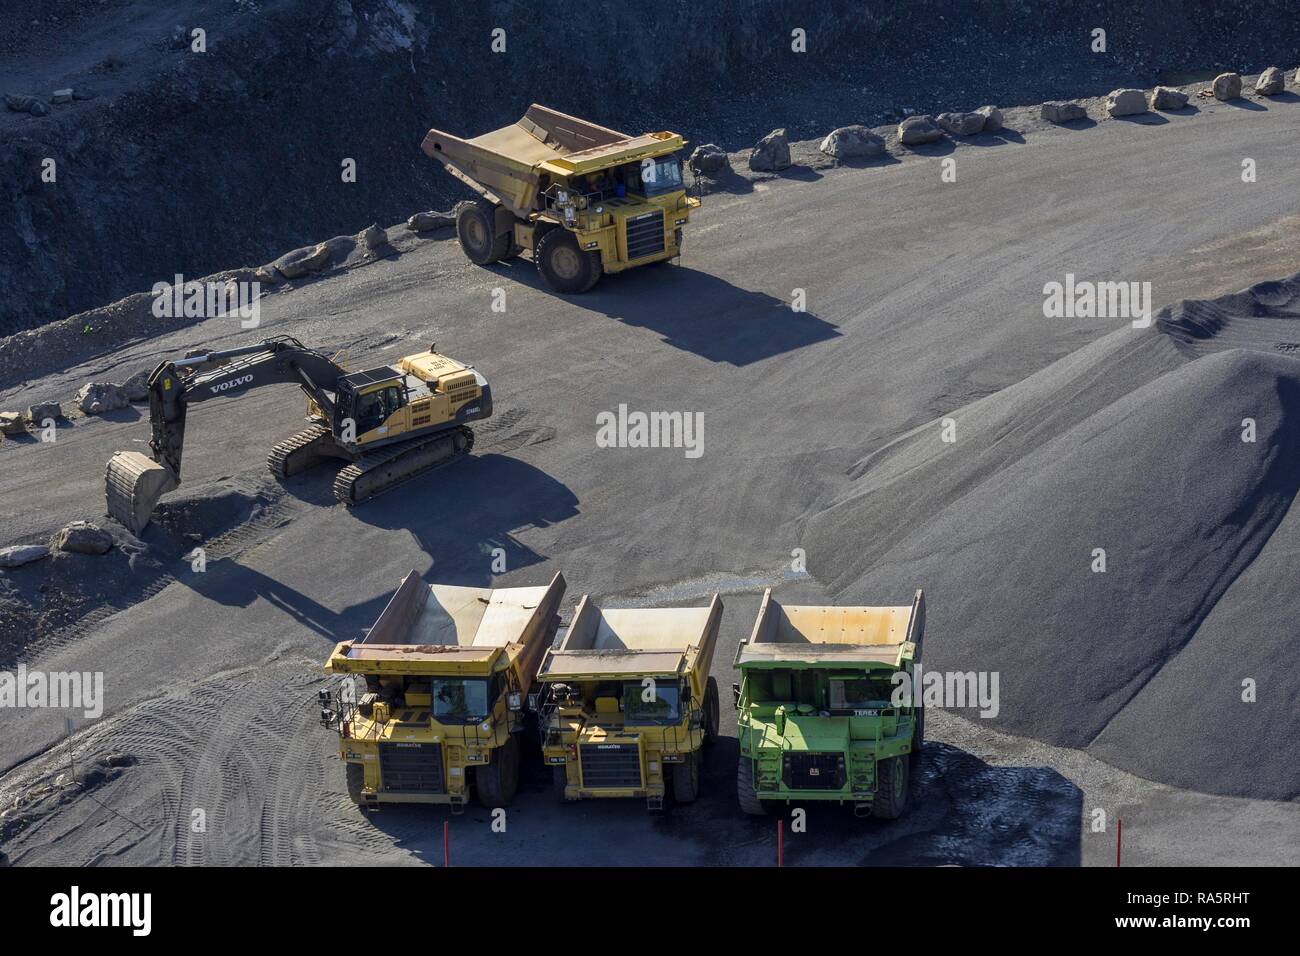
460 700
859 694
663 705
659 176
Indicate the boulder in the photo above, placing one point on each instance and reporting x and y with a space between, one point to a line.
709 158
11 423
1166 98
82 537
96 398
992 118
1126 102
1063 111
62 96
39 109
137 386
301 262
1271 82
427 221
918 129
21 554
1227 86
373 237
36 414
20 102
961 124
851 141
771 153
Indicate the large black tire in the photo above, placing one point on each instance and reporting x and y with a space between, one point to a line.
565 267
749 801
891 788
498 782
712 712
559 780
476 230
356 780
918 737
686 778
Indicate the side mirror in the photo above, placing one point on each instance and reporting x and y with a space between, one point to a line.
515 701
735 694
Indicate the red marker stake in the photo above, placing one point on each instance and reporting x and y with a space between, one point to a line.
446 843
1119 837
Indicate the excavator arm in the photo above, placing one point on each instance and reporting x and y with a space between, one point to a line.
134 482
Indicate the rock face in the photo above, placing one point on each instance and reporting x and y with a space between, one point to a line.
1126 102
1271 82
962 124
96 398
992 118
1166 98
301 262
709 158
37 413
852 141
21 554
771 153
1227 86
82 537
11 423
916 130
428 221
1063 111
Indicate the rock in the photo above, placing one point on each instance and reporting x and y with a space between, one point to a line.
1227 86
1126 102
1063 111
771 153
80 93
136 387
268 275
19 102
992 118
302 261
1271 82
373 237
709 158
96 398
36 414
62 96
179 38
82 537
21 554
39 109
961 124
1166 98
427 221
851 141
11 423
918 129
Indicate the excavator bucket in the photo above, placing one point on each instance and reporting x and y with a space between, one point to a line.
133 483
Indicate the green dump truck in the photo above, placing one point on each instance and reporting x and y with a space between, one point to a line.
815 711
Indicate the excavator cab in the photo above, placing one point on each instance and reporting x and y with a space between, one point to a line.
368 399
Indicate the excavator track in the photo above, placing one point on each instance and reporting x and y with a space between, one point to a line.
377 472
297 454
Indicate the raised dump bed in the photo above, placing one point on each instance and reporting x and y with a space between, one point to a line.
582 199
629 695
817 717
448 671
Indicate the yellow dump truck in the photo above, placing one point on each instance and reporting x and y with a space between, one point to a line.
581 199
447 672
627 702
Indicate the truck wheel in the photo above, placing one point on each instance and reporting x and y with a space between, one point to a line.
559 780
749 801
356 780
686 779
712 711
565 267
476 230
891 788
498 782
918 737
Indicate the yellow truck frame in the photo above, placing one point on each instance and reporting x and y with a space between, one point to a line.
627 695
581 199
448 673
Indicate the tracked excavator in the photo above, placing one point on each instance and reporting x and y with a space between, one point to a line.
388 423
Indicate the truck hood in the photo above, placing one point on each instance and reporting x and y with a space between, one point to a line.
807 733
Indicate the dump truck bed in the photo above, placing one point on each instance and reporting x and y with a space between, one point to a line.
634 641
824 634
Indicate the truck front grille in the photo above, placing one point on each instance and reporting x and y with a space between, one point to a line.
808 771
611 766
645 234
411 767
